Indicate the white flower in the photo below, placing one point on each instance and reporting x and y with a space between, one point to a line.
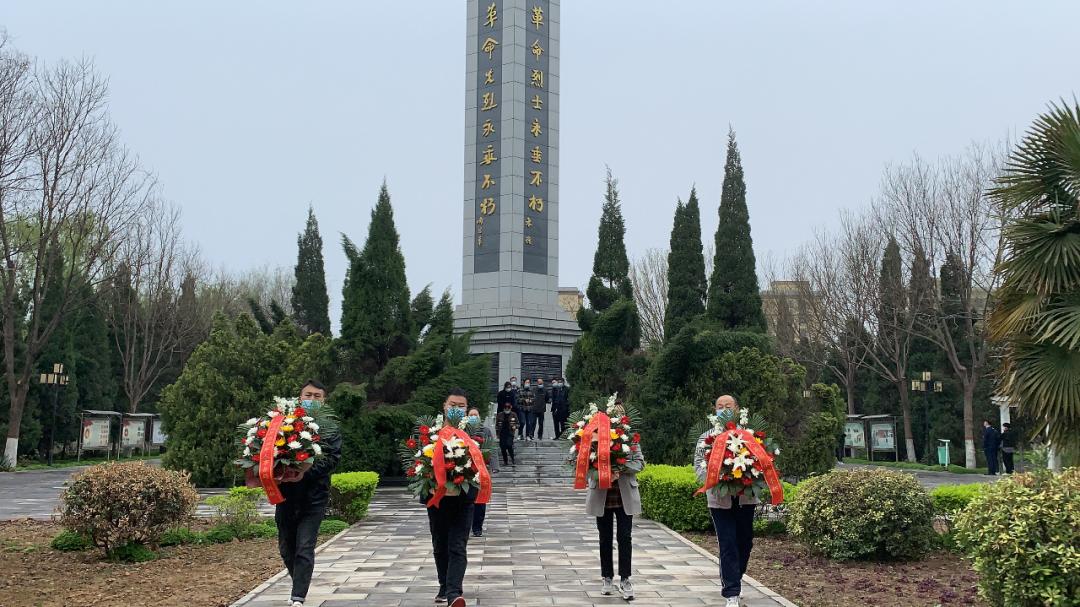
419 454
468 464
458 452
294 445
735 443
573 450
626 448
741 462
307 418
273 414
316 448
755 472
247 452
592 457
314 427
419 468
581 424
458 469
252 431
593 409
304 434
777 452
611 401
249 440
744 417
252 421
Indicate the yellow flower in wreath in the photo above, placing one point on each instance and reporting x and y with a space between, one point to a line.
737 473
429 449
280 442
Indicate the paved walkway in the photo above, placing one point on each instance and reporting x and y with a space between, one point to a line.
928 478
538 549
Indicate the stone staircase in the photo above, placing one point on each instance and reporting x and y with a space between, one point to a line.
539 463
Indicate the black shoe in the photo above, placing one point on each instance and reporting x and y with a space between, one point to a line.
440 599
478 534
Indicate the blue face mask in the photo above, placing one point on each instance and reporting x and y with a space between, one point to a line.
311 406
726 415
454 414
474 419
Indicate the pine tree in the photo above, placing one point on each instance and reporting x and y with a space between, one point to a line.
310 300
420 310
375 317
734 299
442 318
686 268
611 268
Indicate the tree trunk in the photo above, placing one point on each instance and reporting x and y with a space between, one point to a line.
15 413
905 407
969 423
849 386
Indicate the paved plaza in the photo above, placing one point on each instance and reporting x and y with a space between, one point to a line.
539 548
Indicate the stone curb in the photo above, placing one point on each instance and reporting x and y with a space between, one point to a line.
247 598
756 584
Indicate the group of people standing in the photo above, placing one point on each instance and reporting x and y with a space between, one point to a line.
521 412
998 443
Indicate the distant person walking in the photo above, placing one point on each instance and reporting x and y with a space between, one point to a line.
525 402
991 443
484 438
560 406
1008 446
540 398
506 426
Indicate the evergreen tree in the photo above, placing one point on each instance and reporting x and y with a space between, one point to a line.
686 268
734 298
442 318
375 317
257 312
310 300
420 310
611 268
277 313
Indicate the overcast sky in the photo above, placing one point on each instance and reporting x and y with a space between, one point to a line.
249 112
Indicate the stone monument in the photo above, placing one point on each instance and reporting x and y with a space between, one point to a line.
510 274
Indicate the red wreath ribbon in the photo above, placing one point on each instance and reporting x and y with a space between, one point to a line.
266 461
438 461
600 424
716 464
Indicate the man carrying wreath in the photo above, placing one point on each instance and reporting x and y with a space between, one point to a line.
306 493
733 517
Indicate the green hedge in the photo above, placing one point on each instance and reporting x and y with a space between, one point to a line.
350 494
951 499
667 496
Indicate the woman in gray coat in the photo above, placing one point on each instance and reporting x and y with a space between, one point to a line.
621 503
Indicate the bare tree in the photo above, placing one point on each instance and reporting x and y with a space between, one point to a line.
67 187
649 276
942 210
149 323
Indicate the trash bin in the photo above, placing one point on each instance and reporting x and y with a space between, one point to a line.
943 453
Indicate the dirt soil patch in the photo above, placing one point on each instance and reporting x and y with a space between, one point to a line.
790 569
34 575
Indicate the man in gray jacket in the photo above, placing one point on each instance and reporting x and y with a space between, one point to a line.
733 518
621 502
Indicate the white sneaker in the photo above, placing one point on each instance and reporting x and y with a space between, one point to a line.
296 604
609 587
627 589
732 601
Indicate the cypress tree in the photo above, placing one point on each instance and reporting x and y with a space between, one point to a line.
420 310
686 268
310 300
610 279
375 317
734 299
442 318
257 313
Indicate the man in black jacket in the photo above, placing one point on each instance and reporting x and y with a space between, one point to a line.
306 497
560 405
1008 446
991 442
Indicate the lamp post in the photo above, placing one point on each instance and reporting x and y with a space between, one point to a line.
926 385
56 379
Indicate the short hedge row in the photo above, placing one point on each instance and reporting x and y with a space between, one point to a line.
668 497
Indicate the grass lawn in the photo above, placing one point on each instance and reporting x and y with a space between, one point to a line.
86 461
914 466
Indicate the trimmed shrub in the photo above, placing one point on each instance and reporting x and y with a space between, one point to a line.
667 497
237 511
69 541
350 494
863 514
180 536
1023 536
124 503
332 526
133 552
220 535
765 528
951 499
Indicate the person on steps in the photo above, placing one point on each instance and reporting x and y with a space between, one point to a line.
506 426
484 438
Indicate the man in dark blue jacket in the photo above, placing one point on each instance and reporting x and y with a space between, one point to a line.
307 495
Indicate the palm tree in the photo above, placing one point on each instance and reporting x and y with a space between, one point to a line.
1037 319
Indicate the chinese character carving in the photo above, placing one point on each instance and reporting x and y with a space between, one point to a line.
528 222
537 50
492 15
488 182
487 206
528 240
538 79
489 46
537 178
489 102
489 76
489 128
536 130
537 16
489 155
537 155
536 204
537 102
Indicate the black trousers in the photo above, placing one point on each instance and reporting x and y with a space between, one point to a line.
1007 459
991 461
626 549
560 424
298 532
479 513
507 450
539 425
450 524
735 536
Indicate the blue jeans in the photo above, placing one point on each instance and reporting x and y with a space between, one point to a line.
530 424
521 422
298 532
735 538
